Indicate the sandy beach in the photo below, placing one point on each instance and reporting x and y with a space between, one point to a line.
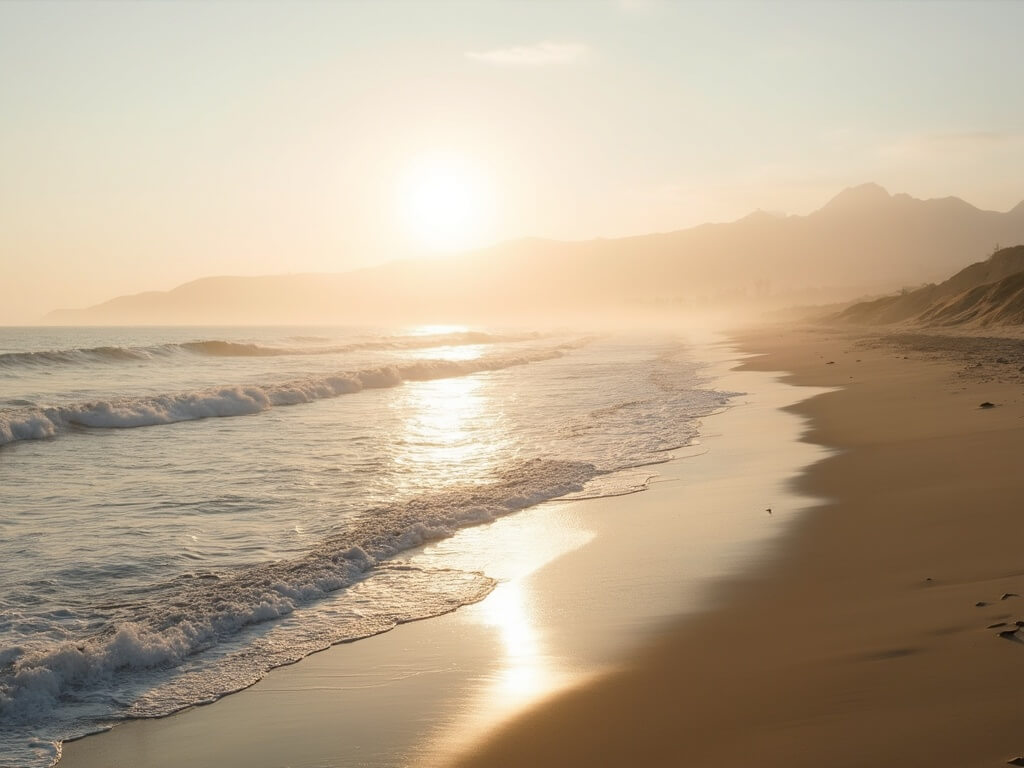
583 585
873 638
857 624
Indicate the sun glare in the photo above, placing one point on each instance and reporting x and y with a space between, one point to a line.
444 202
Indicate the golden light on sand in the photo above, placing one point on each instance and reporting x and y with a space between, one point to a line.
444 201
525 672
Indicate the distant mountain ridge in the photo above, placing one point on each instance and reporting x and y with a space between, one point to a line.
864 239
988 293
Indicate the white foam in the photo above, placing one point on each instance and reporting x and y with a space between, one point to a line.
122 413
44 684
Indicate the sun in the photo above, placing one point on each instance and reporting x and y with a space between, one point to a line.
444 201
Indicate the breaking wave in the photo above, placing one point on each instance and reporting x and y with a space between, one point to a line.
208 609
223 348
73 356
35 423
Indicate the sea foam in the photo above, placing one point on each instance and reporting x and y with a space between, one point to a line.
199 614
35 423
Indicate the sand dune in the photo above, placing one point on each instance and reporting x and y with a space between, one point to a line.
988 293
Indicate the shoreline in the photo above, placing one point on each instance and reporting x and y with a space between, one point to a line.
872 638
433 687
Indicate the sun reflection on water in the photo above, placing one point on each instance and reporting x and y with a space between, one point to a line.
458 352
452 431
437 329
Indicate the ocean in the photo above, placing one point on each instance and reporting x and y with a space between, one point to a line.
184 509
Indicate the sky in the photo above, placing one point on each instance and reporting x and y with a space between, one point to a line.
146 144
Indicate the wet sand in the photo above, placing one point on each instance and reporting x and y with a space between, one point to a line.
582 586
869 639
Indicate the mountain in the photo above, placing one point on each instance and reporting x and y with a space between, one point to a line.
987 293
863 240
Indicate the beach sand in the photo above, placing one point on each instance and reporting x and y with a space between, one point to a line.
583 585
867 639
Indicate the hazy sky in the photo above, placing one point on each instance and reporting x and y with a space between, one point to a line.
146 144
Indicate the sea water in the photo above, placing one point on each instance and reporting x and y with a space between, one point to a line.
175 503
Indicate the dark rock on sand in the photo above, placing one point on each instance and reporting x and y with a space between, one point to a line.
1009 634
996 625
1008 595
987 404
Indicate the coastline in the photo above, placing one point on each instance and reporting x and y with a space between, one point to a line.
871 639
612 574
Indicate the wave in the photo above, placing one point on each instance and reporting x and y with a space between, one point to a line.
217 348
209 609
73 356
36 423
224 348
441 340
